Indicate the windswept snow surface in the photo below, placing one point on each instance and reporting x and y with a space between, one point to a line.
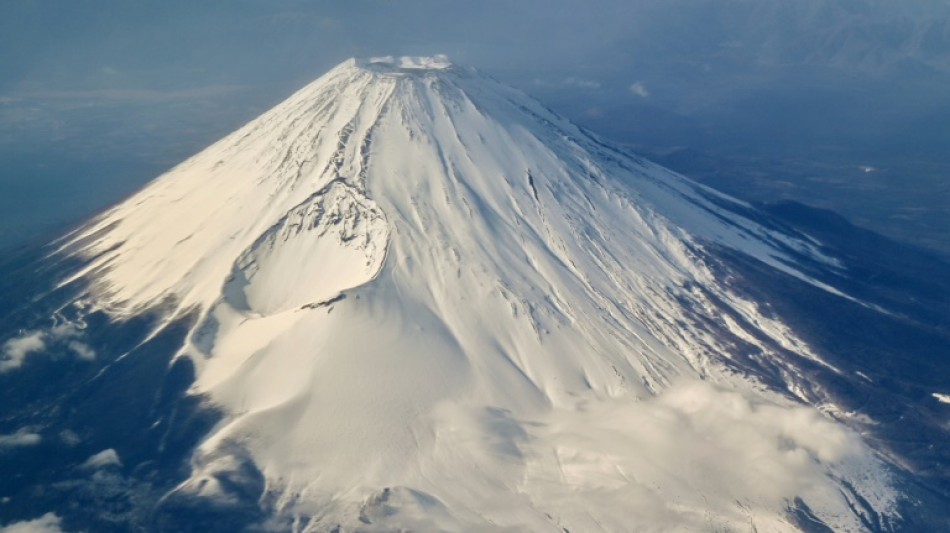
429 303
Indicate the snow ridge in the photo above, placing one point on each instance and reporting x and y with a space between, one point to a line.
429 302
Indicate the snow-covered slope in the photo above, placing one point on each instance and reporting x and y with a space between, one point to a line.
429 303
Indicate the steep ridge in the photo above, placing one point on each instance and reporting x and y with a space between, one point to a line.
427 302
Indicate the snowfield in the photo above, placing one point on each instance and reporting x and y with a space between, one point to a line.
429 303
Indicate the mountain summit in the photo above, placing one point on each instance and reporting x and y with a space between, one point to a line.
419 300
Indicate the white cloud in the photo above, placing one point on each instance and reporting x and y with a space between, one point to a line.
23 437
640 89
83 351
48 523
64 330
15 350
103 459
69 437
699 447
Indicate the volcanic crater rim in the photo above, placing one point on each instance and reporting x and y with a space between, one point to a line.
403 65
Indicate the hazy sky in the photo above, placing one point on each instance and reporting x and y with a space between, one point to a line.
175 43
97 96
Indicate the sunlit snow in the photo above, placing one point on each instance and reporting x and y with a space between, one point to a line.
428 302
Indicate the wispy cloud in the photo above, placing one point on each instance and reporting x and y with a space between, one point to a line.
581 83
16 350
570 82
103 459
83 351
23 437
640 89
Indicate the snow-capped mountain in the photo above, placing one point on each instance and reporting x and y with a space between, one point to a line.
411 298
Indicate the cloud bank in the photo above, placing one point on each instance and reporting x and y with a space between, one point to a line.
698 455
